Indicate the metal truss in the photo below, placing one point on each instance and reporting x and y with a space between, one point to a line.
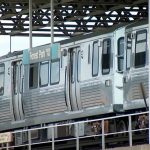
71 17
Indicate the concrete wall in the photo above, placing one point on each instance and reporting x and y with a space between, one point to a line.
137 147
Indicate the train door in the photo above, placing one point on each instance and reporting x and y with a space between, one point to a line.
17 82
74 77
118 69
128 64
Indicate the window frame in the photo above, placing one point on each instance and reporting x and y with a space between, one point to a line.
128 35
16 88
34 64
89 54
2 64
94 75
73 68
120 56
53 61
78 67
109 53
21 78
136 42
43 63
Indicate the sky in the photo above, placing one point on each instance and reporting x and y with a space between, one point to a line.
21 43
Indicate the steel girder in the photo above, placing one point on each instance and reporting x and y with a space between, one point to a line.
71 17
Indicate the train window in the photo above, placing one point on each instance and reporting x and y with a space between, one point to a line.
79 66
21 78
55 71
15 77
95 59
72 61
33 77
44 73
89 54
128 52
106 56
2 74
140 48
61 59
120 53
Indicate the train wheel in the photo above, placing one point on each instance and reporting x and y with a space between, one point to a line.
121 127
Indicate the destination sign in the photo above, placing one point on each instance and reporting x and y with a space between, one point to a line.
5 137
40 54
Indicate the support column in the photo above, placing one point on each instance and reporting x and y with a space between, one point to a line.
29 140
7 145
30 24
10 43
130 131
52 22
77 136
103 135
149 60
53 137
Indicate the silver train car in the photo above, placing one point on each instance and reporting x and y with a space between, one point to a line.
75 81
77 78
136 67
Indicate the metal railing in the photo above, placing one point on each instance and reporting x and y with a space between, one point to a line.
76 132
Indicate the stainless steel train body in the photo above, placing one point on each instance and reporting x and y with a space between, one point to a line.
78 83
136 66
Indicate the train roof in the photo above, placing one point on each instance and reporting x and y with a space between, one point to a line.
73 39
12 54
105 31
96 32
137 23
86 36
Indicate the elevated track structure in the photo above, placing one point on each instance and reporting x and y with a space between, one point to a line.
71 17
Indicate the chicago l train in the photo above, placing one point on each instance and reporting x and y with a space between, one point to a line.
89 75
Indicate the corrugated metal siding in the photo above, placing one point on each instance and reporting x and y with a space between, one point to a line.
134 89
92 96
5 113
46 102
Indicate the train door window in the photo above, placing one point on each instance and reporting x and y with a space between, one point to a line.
120 53
89 54
44 73
15 77
33 76
72 61
55 72
2 74
128 52
106 56
21 78
140 48
95 59
61 59
79 66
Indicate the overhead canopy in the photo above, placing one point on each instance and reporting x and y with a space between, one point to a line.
71 17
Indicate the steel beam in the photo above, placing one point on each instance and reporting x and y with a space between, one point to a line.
83 16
